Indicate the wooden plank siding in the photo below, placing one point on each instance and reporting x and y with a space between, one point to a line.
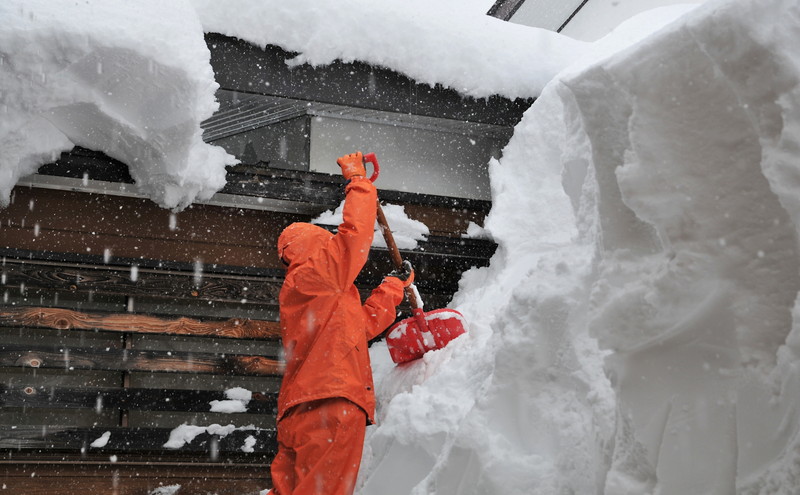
42 219
235 462
88 475
60 438
77 358
169 291
141 399
66 319
164 313
120 231
28 275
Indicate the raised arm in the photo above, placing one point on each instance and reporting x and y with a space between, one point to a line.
350 246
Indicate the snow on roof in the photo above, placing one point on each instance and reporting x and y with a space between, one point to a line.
431 42
131 79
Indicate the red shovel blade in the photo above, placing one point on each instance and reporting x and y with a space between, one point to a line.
409 339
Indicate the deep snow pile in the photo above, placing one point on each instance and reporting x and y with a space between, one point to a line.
641 337
131 79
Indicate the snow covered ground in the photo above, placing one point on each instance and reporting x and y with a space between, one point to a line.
636 329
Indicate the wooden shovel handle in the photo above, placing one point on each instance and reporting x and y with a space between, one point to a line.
394 253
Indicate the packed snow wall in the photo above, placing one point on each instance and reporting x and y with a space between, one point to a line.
694 139
636 330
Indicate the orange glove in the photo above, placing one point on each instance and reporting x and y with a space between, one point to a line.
352 165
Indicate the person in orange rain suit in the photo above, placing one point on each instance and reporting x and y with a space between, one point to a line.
326 398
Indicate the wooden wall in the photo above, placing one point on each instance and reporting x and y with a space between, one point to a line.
121 476
119 271
73 222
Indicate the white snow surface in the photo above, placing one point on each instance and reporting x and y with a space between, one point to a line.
186 433
239 393
431 42
228 406
165 490
637 329
475 231
101 441
249 443
405 230
131 79
237 400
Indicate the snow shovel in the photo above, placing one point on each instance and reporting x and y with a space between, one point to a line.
409 339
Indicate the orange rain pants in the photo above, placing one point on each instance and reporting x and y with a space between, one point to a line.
319 448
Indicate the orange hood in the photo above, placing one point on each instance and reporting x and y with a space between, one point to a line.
300 240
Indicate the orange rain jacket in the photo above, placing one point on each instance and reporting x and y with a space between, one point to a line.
324 326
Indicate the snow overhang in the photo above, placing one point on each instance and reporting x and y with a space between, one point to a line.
241 66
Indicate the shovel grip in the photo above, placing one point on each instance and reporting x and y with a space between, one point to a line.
371 158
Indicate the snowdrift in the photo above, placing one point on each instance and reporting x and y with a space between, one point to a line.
130 79
636 331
